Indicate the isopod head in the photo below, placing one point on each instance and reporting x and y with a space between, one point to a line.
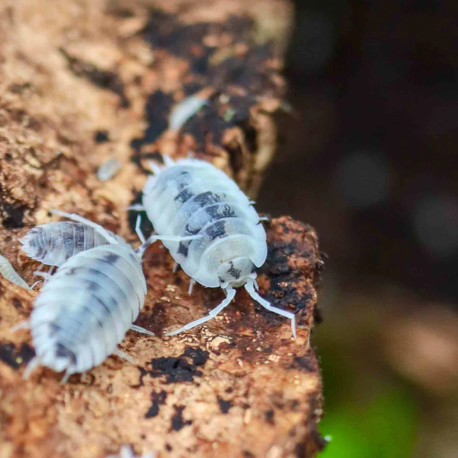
30 244
236 272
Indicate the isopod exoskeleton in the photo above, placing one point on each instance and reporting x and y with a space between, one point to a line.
191 197
53 243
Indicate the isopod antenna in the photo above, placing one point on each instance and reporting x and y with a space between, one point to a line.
249 286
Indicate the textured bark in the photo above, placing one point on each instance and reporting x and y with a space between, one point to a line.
81 82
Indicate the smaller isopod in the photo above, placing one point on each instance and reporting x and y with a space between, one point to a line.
127 452
108 169
7 270
53 243
184 110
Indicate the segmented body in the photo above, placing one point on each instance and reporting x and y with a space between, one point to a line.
193 197
86 308
53 243
7 270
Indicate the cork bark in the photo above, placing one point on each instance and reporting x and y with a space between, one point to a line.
83 82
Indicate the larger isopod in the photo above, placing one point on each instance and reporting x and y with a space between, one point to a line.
193 198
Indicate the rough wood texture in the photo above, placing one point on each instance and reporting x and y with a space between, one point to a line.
81 82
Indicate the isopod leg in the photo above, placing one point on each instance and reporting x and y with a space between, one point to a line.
168 161
33 364
66 377
22 325
156 169
192 282
249 286
138 229
45 275
141 330
35 284
167 238
212 314
136 208
123 355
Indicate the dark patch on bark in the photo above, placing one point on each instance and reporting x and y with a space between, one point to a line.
248 454
157 110
199 357
157 399
303 363
224 406
10 354
101 78
207 126
182 368
17 303
13 215
248 71
177 420
163 30
143 373
270 416
101 136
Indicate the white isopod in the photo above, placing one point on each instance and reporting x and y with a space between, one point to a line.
108 169
7 270
85 309
185 110
193 198
53 243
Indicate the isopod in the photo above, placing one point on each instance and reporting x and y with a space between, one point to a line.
108 169
185 110
7 270
127 452
85 309
193 198
53 243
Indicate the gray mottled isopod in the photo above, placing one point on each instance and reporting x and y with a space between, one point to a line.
53 243
7 270
193 198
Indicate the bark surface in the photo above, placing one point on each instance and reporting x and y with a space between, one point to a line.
83 82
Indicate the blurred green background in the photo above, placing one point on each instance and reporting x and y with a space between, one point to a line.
369 146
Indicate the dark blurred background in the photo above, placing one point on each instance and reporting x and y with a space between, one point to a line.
368 152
